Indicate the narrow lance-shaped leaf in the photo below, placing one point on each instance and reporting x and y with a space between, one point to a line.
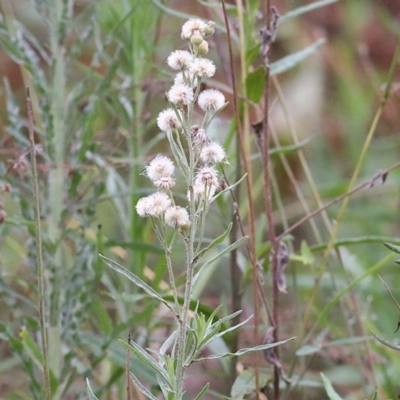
147 359
136 280
304 9
243 351
228 188
290 61
90 391
227 250
179 156
142 388
330 391
216 241
393 247
202 392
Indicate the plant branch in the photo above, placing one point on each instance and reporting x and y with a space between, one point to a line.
39 257
247 169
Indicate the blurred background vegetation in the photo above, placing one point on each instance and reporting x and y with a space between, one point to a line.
98 79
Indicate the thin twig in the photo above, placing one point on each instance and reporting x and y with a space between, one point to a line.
338 199
248 179
268 35
39 257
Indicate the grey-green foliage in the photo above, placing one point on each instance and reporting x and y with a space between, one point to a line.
88 93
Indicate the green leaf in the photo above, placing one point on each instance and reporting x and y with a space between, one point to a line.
228 249
148 360
141 387
305 257
90 391
244 351
227 189
245 384
255 83
304 9
136 280
31 347
392 247
202 392
308 349
216 241
330 391
290 61
289 149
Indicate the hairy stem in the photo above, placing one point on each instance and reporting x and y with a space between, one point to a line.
39 257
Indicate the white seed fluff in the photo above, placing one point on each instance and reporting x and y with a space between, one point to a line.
180 95
159 203
168 120
160 167
202 67
212 154
177 217
143 206
207 176
211 100
166 182
191 26
180 59
201 191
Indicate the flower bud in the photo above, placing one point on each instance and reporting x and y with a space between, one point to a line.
202 50
209 28
196 38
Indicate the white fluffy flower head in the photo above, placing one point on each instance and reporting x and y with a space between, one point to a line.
180 59
180 95
144 206
213 153
185 78
168 120
159 203
177 217
201 191
199 136
160 167
165 182
153 205
211 100
207 176
190 27
202 67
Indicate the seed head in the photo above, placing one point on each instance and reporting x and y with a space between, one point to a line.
168 120
211 100
160 167
191 26
177 217
180 95
180 59
202 67
208 176
212 154
201 191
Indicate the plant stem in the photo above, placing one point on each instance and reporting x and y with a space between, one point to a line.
244 151
39 257
190 264
56 139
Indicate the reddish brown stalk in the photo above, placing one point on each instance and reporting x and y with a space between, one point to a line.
247 169
380 176
267 36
